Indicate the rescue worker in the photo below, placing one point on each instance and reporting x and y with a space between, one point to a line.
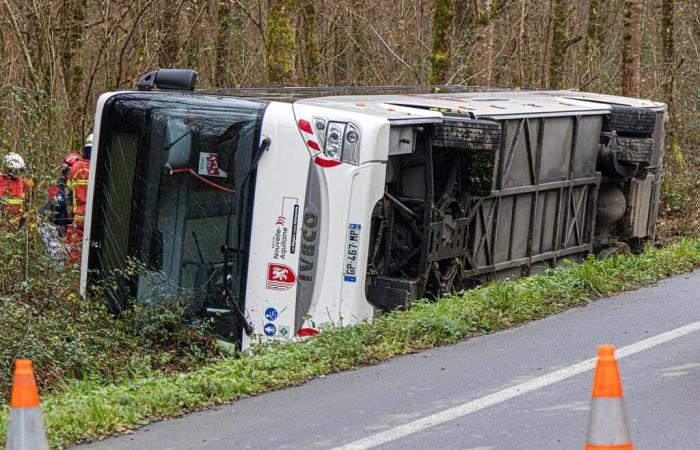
77 199
56 209
54 213
14 190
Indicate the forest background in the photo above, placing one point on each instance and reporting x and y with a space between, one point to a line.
58 56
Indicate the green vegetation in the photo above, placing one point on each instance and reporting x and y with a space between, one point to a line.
70 337
280 45
87 409
42 317
440 57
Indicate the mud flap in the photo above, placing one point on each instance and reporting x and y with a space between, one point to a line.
388 293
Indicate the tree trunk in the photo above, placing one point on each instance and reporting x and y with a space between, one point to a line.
279 42
168 33
669 59
73 18
483 44
593 29
669 49
194 37
440 56
356 62
308 39
227 16
38 39
21 41
631 47
338 42
557 54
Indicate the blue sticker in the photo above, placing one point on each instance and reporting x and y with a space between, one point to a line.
270 314
270 329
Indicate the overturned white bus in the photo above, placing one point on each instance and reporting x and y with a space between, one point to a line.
274 212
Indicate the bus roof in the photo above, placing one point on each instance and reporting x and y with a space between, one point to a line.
501 104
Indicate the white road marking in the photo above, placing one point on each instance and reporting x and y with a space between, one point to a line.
511 392
680 371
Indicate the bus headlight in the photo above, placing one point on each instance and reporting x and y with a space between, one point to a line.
334 140
340 141
351 145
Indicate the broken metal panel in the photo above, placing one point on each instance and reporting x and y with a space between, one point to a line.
448 239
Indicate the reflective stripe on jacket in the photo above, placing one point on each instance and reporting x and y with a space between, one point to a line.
13 193
78 184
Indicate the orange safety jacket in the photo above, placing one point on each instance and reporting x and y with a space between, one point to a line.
13 193
78 185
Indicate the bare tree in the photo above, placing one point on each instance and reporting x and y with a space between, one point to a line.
279 42
227 16
339 67
557 54
308 44
193 33
73 26
169 38
483 44
593 29
440 55
60 54
561 41
669 49
40 41
355 61
631 48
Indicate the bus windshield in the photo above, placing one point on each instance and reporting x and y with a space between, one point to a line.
165 185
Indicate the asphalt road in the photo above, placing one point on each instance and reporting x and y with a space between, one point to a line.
525 388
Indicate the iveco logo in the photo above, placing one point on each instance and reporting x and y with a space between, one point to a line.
308 246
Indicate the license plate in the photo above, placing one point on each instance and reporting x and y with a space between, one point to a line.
352 252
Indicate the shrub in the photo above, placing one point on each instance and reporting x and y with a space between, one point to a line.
69 337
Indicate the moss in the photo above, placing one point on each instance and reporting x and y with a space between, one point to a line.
441 58
279 42
309 40
559 44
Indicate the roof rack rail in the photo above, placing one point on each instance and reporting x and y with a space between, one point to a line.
291 94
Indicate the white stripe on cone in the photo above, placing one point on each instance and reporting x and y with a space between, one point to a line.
608 422
26 430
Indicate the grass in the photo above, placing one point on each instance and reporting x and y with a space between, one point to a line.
86 410
70 337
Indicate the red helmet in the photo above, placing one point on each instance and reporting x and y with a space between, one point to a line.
70 159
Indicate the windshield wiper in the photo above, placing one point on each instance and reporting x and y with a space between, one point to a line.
169 146
226 248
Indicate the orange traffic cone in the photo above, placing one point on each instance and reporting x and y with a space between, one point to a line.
607 425
26 428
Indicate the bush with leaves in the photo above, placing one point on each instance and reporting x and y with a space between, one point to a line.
69 337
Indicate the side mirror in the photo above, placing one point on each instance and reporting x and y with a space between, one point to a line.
168 79
178 144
